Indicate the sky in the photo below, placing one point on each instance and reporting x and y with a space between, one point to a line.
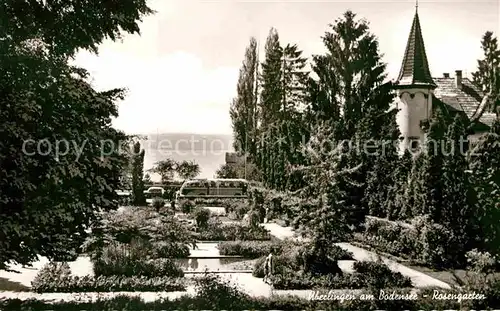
181 72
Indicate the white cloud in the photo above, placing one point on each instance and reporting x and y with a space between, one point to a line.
169 93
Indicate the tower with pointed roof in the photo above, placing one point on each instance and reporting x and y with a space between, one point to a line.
414 88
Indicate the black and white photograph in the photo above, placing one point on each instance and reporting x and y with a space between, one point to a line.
249 155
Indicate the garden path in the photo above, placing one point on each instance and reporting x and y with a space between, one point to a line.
418 278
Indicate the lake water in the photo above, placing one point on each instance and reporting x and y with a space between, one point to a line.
208 151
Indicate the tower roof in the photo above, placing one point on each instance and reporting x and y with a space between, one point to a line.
415 68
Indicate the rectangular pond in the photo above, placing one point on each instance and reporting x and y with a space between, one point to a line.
215 264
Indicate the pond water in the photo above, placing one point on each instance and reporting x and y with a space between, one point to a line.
214 264
209 249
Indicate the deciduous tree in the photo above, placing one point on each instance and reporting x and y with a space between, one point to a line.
165 168
47 199
187 169
487 76
243 109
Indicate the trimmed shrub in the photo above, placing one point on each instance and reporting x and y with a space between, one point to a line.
52 277
336 252
293 280
140 250
201 215
138 224
435 240
254 219
229 203
258 268
187 206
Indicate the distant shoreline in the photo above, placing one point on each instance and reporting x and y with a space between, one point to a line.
208 150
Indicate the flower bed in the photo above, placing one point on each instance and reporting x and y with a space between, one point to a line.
159 236
57 278
247 249
368 274
148 268
237 205
217 231
423 242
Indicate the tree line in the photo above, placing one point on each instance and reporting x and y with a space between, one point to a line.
289 109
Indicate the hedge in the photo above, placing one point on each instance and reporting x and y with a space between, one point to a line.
57 277
256 249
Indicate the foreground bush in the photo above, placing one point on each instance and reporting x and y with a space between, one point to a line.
187 206
57 278
215 294
137 259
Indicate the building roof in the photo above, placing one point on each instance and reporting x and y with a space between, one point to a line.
465 99
415 67
415 73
